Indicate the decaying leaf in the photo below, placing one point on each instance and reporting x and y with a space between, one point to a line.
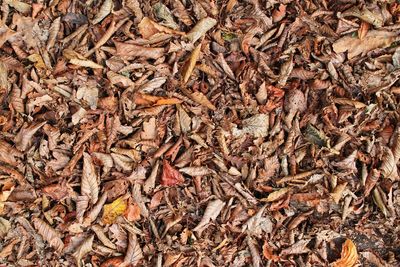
211 213
105 9
83 249
134 253
258 224
148 28
348 256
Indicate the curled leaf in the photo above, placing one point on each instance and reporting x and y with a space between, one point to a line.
349 255
211 213
189 66
48 234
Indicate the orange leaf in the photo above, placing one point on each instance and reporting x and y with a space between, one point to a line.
349 255
113 262
279 14
132 213
168 101
171 176
268 254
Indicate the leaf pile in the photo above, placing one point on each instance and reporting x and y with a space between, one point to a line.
199 133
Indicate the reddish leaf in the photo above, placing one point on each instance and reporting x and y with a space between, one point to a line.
171 176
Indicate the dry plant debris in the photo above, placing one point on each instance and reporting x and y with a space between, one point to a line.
199 133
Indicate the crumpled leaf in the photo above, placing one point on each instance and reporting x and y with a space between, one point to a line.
171 176
83 249
316 136
25 135
348 256
19 6
189 66
5 226
300 247
372 40
89 183
90 94
373 18
256 126
211 213
203 26
48 234
349 163
258 224
113 210
268 253
338 192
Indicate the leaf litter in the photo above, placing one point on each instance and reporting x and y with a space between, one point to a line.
199 133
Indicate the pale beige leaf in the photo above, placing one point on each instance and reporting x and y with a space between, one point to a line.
105 159
85 63
5 226
134 253
349 163
189 66
89 183
338 192
105 9
300 247
203 26
196 171
19 6
388 166
184 120
149 131
373 39
345 101
122 161
278 194
83 249
256 126
211 213
258 224
48 234
99 231
132 50
153 84
374 18
151 180
53 31
148 28
82 203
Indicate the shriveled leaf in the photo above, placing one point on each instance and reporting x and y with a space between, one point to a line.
85 63
268 253
25 135
105 9
316 136
211 213
48 234
113 210
348 256
300 247
278 194
196 171
258 224
374 18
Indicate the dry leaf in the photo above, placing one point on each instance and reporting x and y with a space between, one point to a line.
89 183
85 63
132 213
372 40
279 13
132 50
348 256
25 135
113 210
196 171
202 100
189 66
105 9
148 28
171 176
48 234
338 192
83 249
203 26
134 253
276 195
211 213
258 224
256 126
268 254
388 166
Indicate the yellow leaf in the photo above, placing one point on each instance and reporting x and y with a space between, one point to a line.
349 255
113 210
189 66
37 59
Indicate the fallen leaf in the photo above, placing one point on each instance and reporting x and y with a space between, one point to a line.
89 183
189 66
203 26
171 176
348 256
113 210
48 234
211 213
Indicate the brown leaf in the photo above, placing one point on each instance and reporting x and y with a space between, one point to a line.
171 176
83 249
148 28
211 213
25 135
372 40
189 66
268 254
203 26
134 253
